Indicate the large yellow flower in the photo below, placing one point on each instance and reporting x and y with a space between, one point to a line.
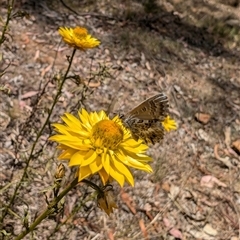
100 145
78 37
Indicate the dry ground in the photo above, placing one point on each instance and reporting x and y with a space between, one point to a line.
189 49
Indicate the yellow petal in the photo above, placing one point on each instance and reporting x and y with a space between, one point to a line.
123 169
106 161
89 157
169 124
96 166
67 154
77 158
83 173
117 175
71 121
104 176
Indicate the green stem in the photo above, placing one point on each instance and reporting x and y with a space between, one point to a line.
75 210
10 8
37 138
50 209
92 185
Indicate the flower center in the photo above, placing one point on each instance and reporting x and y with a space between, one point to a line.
80 32
106 133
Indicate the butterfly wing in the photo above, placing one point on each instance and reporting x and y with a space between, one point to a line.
150 131
144 121
155 107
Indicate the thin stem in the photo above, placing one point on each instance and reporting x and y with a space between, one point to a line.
37 138
50 209
10 8
92 185
74 211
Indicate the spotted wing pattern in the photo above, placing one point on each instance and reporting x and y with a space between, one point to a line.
144 121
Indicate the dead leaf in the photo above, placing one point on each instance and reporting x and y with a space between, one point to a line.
143 228
4 121
36 55
47 69
176 233
24 38
174 191
227 133
110 234
234 238
225 160
15 110
167 223
203 118
29 94
92 84
128 201
202 135
210 230
166 186
236 146
209 181
147 207
198 235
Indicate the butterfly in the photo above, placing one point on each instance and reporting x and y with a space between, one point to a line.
144 121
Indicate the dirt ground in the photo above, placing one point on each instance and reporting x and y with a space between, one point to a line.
188 49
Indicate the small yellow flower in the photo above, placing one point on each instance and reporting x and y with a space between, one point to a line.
100 145
78 38
169 124
106 201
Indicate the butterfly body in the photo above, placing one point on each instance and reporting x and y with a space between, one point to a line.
144 121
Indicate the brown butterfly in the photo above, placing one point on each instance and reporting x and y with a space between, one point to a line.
144 121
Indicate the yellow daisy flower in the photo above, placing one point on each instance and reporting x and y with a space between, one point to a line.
78 38
100 145
169 124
